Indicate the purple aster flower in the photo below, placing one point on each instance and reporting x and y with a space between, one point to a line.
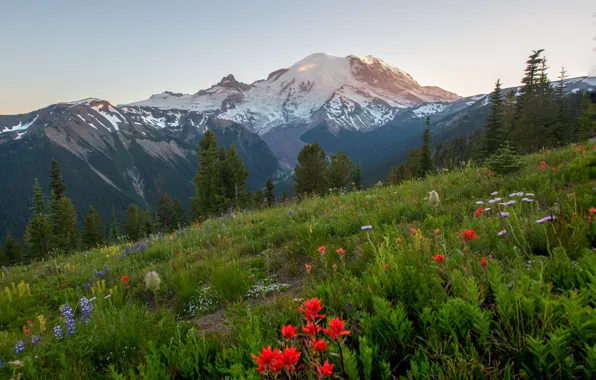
513 195
34 340
58 333
497 199
545 219
504 214
86 309
479 203
502 233
366 228
509 203
491 201
19 347
529 194
528 200
487 209
494 193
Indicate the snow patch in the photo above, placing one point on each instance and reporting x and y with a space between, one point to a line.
19 127
113 119
429 109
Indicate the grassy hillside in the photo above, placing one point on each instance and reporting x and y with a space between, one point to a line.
414 291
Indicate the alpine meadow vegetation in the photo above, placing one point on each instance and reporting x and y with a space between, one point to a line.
468 273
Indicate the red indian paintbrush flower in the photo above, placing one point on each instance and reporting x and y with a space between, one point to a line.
469 235
308 267
318 344
336 329
340 252
322 249
124 279
267 360
311 329
289 357
479 211
592 210
288 331
324 370
311 309
484 263
439 258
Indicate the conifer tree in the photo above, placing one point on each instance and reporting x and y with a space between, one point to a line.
587 118
179 217
63 221
132 223
340 171
57 186
311 171
505 161
357 178
3 258
93 235
208 193
269 195
12 249
165 212
426 163
38 231
114 229
258 199
509 109
494 133
238 176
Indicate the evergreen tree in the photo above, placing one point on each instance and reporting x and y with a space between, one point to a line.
340 171
587 118
311 171
505 161
208 194
531 77
494 134
269 195
114 229
165 212
426 163
57 186
258 199
3 258
509 107
93 235
357 178
148 223
237 189
63 221
132 223
12 249
179 216
38 231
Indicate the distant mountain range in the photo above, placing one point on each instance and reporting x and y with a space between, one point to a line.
112 156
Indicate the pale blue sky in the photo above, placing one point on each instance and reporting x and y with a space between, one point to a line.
124 51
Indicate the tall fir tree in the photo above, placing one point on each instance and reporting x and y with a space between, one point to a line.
340 171
237 190
12 249
93 234
132 223
63 220
269 195
208 194
38 231
57 186
357 178
311 171
509 109
258 199
114 229
494 134
587 119
426 162
165 212
179 216
148 222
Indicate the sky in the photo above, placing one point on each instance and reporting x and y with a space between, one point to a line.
124 51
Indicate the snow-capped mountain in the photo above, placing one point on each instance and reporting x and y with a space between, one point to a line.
355 93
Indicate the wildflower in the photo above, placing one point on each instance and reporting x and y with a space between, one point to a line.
311 329
479 203
58 333
1 363
386 266
334 266
527 200
469 235
478 212
574 213
341 252
152 281
318 344
179 254
509 203
491 201
529 194
322 250
289 357
68 315
127 287
484 263
288 331
504 214
366 228
108 296
545 219
324 370
439 258
311 309
267 359
17 363
336 329
86 309
336 201
487 209
398 240
592 211
27 331
433 198
29 322
437 231
494 193
124 279
308 267
502 233
560 166
19 347
34 340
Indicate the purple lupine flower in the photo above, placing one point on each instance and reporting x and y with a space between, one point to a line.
19 347
504 214
479 203
545 219
86 309
105 268
67 313
34 340
348 307
58 333
141 247
87 286
366 228
528 200
502 233
1 363
100 274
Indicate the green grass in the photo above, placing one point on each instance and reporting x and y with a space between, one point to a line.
529 313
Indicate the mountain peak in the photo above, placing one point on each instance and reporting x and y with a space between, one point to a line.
229 81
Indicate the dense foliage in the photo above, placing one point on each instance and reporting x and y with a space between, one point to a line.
488 277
